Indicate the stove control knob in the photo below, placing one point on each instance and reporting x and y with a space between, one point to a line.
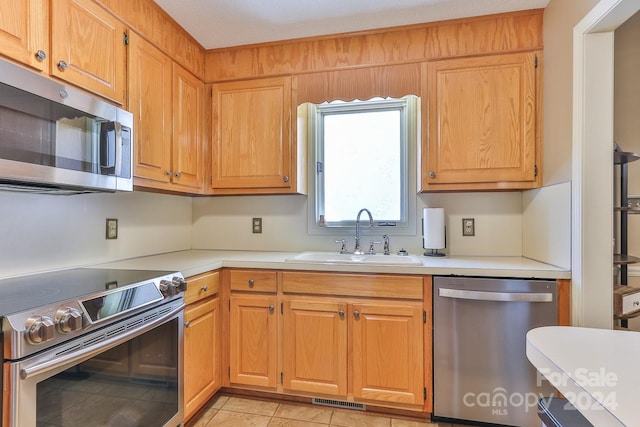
39 329
179 284
68 319
167 288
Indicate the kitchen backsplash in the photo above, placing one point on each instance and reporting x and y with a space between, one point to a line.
225 223
44 232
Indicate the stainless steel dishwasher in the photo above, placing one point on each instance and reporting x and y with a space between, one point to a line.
480 370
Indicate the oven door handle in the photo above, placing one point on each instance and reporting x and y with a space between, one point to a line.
97 348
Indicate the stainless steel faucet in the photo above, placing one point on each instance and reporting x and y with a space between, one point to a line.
357 250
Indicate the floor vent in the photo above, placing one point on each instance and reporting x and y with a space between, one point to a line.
339 404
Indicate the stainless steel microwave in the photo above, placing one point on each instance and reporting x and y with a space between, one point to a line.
54 137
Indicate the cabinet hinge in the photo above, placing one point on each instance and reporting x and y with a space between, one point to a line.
282 378
281 308
425 393
424 316
229 305
229 371
535 170
536 62
319 167
125 39
211 180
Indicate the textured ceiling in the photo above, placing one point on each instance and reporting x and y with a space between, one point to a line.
223 23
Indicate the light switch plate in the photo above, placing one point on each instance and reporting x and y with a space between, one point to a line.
112 228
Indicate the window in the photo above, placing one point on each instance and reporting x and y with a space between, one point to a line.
361 156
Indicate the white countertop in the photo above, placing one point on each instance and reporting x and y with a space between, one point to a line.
194 262
596 370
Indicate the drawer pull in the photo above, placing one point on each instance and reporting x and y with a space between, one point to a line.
341 313
271 308
356 314
205 288
251 283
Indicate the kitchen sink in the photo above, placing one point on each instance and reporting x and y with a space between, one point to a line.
338 258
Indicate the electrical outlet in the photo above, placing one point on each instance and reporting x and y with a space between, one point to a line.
468 227
112 228
256 225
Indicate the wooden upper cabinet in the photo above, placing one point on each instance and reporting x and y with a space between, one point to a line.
252 147
88 48
188 107
482 125
168 107
150 102
24 35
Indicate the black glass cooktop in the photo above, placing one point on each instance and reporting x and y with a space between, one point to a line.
38 290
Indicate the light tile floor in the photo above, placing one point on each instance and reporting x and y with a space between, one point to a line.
242 412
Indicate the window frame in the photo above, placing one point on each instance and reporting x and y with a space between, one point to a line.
409 107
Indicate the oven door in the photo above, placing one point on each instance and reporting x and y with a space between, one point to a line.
131 376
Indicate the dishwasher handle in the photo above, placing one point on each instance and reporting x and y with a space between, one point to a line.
496 296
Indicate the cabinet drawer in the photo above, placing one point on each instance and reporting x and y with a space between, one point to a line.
253 280
358 285
202 286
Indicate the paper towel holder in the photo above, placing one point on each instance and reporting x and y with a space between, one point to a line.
434 253
435 238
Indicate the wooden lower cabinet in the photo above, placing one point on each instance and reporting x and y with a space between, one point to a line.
387 352
344 336
201 353
253 348
314 346
376 347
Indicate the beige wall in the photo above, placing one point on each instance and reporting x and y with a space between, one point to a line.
546 224
560 16
43 232
225 223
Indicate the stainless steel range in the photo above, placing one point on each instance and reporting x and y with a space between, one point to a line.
92 347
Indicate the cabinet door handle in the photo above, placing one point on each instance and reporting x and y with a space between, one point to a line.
271 308
432 174
41 55
341 313
205 288
179 174
285 178
62 65
187 324
356 314
169 173
251 283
